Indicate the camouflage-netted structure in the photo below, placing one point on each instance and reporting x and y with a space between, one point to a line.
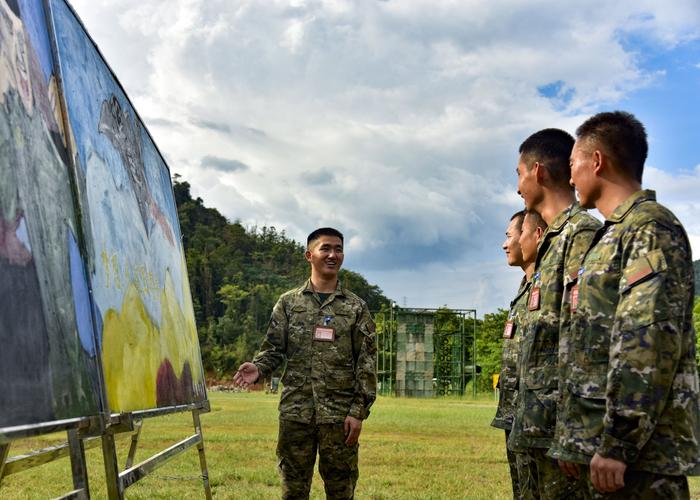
414 354
425 352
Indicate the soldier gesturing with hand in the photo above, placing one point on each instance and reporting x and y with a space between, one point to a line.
325 335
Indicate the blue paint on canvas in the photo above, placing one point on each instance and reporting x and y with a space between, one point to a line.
81 296
34 23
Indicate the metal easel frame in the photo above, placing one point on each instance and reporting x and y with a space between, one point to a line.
77 430
118 482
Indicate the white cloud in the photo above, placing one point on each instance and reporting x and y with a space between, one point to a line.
679 192
397 121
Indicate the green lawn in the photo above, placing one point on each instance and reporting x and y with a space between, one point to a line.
437 448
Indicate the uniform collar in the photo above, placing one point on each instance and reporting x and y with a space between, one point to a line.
524 286
564 216
339 290
624 208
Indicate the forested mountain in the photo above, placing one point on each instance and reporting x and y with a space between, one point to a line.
236 275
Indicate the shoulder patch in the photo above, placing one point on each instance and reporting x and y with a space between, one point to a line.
652 263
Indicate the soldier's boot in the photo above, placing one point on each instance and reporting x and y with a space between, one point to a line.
337 462
296 454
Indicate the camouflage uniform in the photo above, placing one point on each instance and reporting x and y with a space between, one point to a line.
508 378
324 381
558 255
639 485
631 389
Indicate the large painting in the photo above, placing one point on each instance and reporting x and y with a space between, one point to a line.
48 365
145 329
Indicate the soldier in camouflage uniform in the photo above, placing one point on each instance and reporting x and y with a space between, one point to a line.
325 334
522 236
629 417
543 175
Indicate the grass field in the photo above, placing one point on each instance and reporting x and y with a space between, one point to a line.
410 448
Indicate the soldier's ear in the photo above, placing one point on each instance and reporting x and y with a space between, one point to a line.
539 171
307 255
600 162
539 232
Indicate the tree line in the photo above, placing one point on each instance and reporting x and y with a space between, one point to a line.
237 273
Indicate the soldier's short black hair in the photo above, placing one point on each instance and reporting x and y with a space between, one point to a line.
623 138
518 217
552 148
323 231
534 217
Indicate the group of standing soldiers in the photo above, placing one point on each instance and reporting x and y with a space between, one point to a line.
599 384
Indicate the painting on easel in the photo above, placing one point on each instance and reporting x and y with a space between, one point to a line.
146 333
48 365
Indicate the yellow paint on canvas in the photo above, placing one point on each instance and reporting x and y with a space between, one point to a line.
133 347
130 356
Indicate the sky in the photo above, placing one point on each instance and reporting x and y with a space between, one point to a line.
398 121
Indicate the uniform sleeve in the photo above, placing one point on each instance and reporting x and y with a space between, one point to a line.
274 348
647 338
365 367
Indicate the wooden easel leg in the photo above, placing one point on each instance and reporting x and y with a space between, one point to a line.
4 452
202 457
109 452
77 463
134 443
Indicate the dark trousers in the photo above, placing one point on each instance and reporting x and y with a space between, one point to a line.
297 445
513 465
540 478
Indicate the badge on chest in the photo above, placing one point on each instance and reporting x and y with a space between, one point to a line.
574 298
508 330
324 333
534 302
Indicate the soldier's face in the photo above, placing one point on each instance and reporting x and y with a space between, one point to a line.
528 187
326 256
582 176
511 245
529 238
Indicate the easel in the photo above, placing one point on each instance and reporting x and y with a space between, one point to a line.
118 482
87 433
78 431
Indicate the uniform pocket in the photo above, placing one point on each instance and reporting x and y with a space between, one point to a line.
339 380
591 382
291 378
587 407
539 415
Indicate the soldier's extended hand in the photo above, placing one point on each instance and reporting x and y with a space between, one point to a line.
607 474
352 428
246 375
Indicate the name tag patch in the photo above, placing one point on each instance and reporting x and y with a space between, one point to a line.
574 298
534 302
324 333
508 330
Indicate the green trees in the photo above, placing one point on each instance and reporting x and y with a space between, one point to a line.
696 323
236 275
489 347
